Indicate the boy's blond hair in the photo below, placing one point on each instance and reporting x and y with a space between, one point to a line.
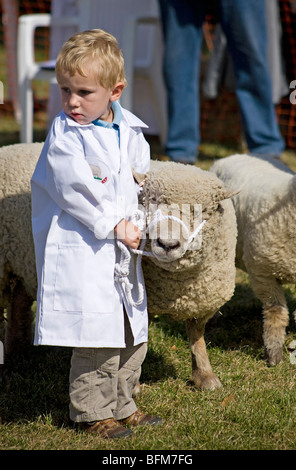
95 46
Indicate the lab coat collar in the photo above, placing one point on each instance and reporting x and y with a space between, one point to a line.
131 119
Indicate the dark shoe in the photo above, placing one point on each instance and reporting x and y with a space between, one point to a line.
138 418
107 428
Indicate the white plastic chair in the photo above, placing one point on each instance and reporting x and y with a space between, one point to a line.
29 69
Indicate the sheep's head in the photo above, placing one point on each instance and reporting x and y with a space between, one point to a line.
178 198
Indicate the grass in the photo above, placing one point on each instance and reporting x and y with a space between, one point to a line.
255 409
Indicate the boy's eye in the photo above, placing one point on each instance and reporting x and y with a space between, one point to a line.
85 92
81 92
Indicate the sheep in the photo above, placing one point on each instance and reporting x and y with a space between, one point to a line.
18 283
265 211
189 283
193 279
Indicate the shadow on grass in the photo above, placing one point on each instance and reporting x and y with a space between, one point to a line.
156 367
238 323
36 384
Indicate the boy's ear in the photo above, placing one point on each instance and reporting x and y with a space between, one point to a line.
117 91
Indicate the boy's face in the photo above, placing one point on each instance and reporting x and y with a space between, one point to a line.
84 99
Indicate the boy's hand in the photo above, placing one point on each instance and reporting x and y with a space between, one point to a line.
128 233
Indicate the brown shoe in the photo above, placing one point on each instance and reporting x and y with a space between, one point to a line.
108 428
138 418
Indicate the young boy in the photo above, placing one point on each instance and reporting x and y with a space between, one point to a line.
83 196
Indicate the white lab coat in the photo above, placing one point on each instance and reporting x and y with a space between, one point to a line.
73 215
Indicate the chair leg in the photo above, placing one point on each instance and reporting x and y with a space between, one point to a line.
26 100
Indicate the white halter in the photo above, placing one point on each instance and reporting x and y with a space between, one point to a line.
122 268
158 217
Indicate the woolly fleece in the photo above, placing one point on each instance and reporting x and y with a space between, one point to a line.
201 281
265 211
17 257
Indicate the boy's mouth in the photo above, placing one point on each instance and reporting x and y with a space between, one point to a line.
76 115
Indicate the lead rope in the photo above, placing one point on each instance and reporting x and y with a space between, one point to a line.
121 270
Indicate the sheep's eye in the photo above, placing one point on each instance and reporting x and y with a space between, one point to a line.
220 208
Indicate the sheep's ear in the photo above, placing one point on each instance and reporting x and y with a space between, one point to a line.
138 177
225 193
229 193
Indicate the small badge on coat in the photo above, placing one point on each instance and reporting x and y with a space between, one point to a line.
96 171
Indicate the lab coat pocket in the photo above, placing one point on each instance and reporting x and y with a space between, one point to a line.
84 280
99 289
68 291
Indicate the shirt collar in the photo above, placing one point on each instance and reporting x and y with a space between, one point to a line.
116 118
127 117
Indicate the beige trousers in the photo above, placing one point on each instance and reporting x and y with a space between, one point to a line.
102 380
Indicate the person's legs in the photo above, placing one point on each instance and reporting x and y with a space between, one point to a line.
244 24
182 31
93 391
93 383
131 360
130 367
102 382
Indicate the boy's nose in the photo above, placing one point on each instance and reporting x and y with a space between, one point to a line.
73 100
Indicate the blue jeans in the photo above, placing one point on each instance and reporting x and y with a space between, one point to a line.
243 23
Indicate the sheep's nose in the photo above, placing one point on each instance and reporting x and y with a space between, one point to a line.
168 245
